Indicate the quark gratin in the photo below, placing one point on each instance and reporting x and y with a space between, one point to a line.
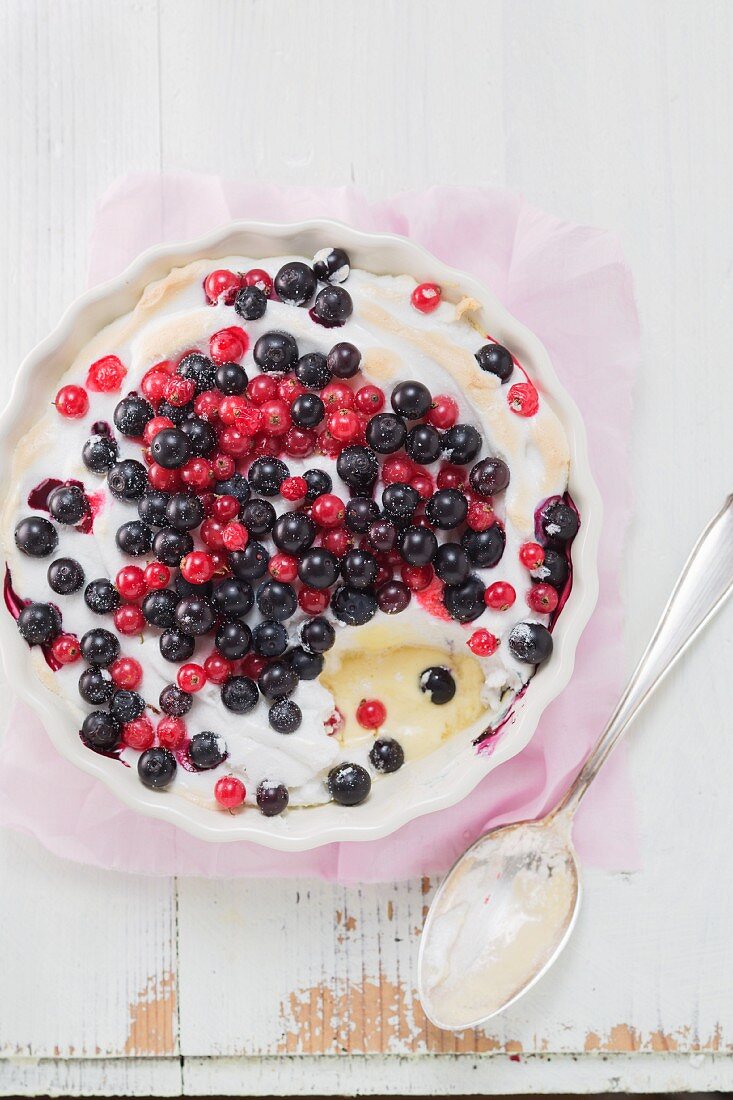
289 526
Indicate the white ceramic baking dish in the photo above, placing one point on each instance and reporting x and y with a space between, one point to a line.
440 779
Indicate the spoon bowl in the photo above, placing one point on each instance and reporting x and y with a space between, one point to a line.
499 920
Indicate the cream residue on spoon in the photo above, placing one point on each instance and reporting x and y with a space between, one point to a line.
499 919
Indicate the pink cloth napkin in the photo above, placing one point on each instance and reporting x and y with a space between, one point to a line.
568 283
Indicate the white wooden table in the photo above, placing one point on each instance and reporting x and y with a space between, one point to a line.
618 114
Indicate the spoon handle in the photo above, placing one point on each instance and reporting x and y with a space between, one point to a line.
703 584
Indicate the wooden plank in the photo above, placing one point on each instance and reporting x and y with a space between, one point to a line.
79 88
450 1075
91 1077
332 93
88 958
440 1075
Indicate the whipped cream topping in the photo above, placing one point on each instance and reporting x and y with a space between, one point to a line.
397 343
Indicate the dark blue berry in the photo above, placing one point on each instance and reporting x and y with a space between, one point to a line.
100 731
554 569
411 400
331 265
382 535
135 538
266 475
175 702
295 283
151 507
333 306
68 504
318 482
465 602
199 369
200 434
276 600
128 480
171 448
353 607
489 476
343 359
285 716
451 563
530 643
232 598
36 536
275 352
386 433
307 410
251 303
251 563
349 784
240 694
176 646
277 679
359 568
39 623
446 509
207 750
233 640
231 379
312 371
400 501
438 683
424 444
393 597
496 360
132 414
127 706
318 568
307 665
417 545
99 647
358 467
386 755
195 615
95 686
65 576
101 596
272 798
258 516
184 511
360 512
171 546
317 635
159 608
485 548
99 454
559 522
269 638
461 444
156 768
294 532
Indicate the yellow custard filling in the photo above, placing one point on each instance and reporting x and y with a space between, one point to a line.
387 666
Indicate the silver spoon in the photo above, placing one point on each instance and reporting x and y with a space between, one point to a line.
507 908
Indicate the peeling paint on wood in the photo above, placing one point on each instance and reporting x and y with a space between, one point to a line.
372 1017
152 1028
623 1039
